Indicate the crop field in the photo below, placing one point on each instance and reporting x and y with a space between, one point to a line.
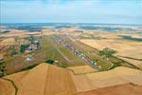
127 50
82 69
56 80
116 90
47 76
117 76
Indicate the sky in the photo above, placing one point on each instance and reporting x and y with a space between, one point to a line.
71 11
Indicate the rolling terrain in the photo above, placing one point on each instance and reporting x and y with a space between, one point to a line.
71 63
47 79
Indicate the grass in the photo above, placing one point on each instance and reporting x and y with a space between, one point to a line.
50 52
75 60
93 55
49 49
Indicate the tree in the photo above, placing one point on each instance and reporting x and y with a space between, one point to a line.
23 48
50 61
31 39
13 51
2 68
107 52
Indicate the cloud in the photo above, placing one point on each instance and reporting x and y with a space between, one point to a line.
71 10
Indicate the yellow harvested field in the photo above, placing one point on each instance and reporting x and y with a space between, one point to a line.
46 79
117 72
14 32
119 75
6 88
8 41
123 47
82 83
124 89
59 82
137 63
119 45
19 33
82 69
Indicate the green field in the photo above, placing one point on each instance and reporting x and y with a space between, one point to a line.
62 56
93 55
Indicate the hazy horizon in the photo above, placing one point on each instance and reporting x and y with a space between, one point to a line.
71 11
